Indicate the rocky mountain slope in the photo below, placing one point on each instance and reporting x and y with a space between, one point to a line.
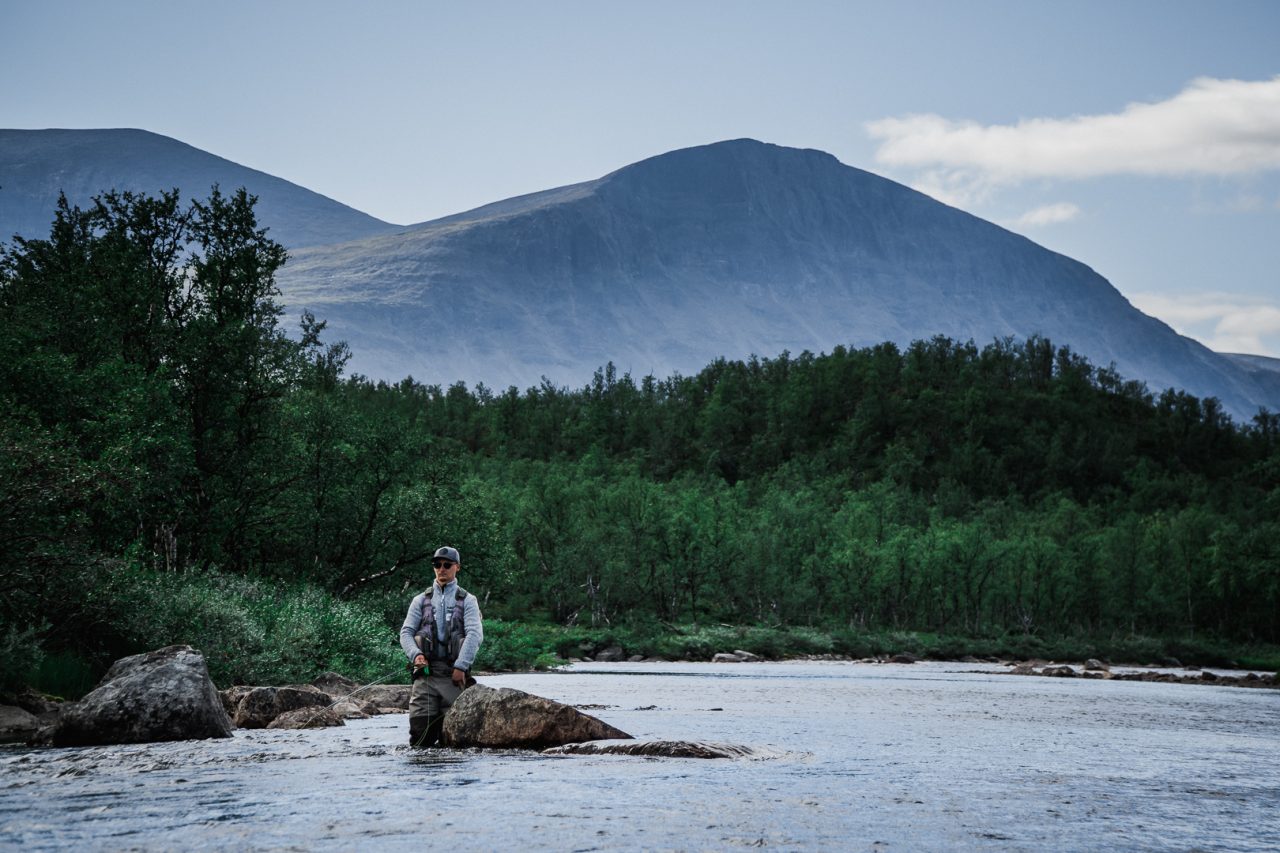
36 164
722 250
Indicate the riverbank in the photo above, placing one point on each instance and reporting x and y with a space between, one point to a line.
513 646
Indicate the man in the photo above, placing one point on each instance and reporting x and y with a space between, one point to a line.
441 636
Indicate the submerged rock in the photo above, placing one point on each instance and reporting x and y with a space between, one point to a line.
307 718
503 717
261 705
161 695
656 749
17 724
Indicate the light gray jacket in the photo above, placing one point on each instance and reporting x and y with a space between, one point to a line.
440 600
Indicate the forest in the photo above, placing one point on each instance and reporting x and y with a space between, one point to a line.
179 463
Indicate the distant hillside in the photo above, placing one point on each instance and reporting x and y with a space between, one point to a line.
1253 362
722 250
36 164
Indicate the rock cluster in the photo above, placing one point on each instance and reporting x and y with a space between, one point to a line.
1098 670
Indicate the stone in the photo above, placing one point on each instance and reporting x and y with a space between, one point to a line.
656 749
745 657
1095 665
725 657
1206 675
261 705
504 717
156 696
613 654
1063 671
1024 668
392 709
903 657
314 717
355 709
17 725
231 697
336 685
388 696
1170 661
635 659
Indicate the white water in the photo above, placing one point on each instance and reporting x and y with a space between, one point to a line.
869 757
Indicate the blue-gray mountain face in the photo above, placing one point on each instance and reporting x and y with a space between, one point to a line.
722 250
36 164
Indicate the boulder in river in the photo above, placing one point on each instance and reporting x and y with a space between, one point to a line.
261 705
613 654
903 657
656 749
336 685
393 696
1095 665
17 724
156 696
725 657
746 657
314 717
504 717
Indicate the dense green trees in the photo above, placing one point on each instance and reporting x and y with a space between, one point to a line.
163 432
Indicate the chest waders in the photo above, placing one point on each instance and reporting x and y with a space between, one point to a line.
425 731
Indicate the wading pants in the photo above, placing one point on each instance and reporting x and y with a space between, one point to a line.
430 698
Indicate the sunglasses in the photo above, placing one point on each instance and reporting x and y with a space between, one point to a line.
443 564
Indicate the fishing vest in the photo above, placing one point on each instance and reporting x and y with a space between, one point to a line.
455 628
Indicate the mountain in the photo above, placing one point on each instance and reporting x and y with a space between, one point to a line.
728 249
1253 362
36 164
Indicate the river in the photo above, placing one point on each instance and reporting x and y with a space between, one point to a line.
928 756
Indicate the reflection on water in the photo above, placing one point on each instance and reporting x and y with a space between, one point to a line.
870 757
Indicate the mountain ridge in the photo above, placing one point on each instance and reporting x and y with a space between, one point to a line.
730 249
35 165
755 248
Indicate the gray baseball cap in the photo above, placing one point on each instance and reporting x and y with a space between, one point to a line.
446 553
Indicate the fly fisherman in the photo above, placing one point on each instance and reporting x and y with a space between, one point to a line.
441 636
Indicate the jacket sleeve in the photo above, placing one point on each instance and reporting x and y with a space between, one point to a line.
411 623
475 634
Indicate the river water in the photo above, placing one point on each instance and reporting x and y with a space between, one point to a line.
928 756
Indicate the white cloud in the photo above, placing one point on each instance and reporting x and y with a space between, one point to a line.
1212 127
1222 322
1049 214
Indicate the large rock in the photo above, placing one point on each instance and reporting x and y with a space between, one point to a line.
387 696
503 717
336 685
657 749
17 724
725 657
231 698
156 696
613 654
261 705
315 717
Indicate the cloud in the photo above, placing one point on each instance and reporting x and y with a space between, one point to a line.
1222 322
1212 127
1049 214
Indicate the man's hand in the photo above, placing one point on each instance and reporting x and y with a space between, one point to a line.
420 661
459 678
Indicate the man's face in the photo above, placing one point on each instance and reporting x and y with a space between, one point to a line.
446 570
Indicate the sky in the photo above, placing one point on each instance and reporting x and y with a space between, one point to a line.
1141 138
